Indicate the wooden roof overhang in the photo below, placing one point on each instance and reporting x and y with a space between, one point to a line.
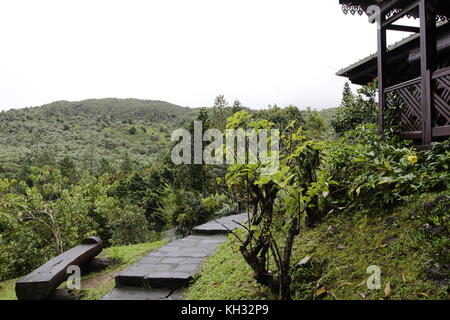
392 7
403 58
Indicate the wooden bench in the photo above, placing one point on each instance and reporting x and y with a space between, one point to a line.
42 282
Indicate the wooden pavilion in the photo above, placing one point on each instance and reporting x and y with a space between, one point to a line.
414 74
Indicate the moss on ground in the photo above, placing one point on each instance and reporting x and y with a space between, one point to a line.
101 282
340 256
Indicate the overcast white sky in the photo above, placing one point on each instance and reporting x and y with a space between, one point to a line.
182 51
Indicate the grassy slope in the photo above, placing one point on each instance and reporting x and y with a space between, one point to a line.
104 280
225 276
391 242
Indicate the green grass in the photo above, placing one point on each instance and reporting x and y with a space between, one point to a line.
390 240
7 290
226 276
127 255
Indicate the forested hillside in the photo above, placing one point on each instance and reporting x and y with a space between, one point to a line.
93 134
98 135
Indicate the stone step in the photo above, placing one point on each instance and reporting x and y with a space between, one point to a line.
222 225
133 293
171 268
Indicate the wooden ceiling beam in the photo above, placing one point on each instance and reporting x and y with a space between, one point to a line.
395 27
401 14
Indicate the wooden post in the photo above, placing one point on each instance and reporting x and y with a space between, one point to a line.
427 66
382 51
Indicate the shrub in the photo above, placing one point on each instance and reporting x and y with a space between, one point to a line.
129 226
49 215
219 205
183 210
34 229
371 172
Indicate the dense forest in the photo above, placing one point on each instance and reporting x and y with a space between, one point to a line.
92 133
102 167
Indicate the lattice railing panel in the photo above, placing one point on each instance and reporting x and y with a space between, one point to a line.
406 100
441 115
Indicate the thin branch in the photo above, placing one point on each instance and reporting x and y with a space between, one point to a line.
230 231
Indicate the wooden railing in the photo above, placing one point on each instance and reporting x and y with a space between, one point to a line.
441 114
406 99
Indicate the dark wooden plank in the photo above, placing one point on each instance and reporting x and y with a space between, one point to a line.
402 85
441 131
41 283
441 73
395 27
423 147
411 135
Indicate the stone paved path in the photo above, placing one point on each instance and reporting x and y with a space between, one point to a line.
163 273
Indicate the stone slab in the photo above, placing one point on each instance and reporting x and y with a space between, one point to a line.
222 225
133 293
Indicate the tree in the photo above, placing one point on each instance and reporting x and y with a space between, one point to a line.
220 112
45 158
347 94
237 106
89 157
282 117
127 164
220 102
68 169
356 109
132 131
315 125
194 177
105 167
298 187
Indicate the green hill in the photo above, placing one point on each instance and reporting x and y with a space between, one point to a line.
91 132
328 114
